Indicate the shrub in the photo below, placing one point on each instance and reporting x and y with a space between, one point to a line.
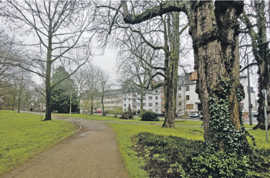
219 164
149 116
126 115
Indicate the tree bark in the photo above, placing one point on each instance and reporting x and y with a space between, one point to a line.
141 100
214 30
48 91
20 95
172 70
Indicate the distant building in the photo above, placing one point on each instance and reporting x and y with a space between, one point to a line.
187 100
112 101
152 101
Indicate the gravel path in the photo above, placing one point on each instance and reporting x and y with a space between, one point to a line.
91 153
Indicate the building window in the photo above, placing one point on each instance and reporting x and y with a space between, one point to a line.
189 106
150 97
187 88
156 97
150 104
156 104
187 97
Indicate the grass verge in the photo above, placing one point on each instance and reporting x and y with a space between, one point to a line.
24 135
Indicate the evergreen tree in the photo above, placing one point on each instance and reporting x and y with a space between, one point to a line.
64 94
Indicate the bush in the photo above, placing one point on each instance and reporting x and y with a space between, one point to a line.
219 164
126 115
149 116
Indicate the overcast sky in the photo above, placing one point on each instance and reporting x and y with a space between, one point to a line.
107 62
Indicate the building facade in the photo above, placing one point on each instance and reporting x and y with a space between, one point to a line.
188 99
152 101
113 100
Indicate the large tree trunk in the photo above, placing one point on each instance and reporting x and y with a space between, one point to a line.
214 30
48 91
20 97
141 101
169 94
172 71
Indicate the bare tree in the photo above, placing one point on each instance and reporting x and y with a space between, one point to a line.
161 34
58 27
104 86
257 30
136 65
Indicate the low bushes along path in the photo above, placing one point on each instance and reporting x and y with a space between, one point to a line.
91 153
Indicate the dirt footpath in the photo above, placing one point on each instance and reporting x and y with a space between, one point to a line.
91 153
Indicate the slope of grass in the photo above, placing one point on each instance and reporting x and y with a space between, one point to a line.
23 135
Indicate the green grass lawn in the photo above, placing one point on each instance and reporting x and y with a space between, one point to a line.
24 135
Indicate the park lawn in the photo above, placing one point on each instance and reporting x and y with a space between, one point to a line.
125 133
185 129
24 135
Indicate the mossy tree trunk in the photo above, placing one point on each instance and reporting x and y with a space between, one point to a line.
214 30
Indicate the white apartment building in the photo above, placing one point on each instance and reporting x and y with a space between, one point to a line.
113 100
152 101
188 99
